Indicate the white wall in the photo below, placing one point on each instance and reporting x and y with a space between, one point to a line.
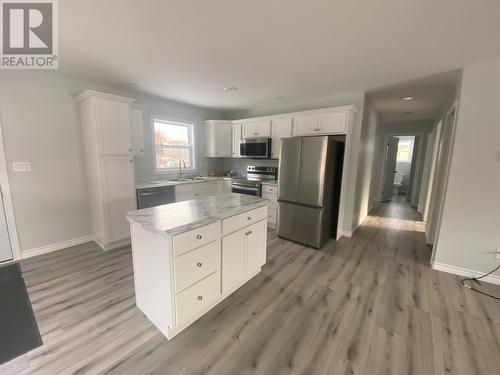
469 231
354 193
363 201
41 124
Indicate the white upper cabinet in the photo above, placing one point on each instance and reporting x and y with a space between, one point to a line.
219 138
257 129
322 123
236 139
281 128
137 130
113 118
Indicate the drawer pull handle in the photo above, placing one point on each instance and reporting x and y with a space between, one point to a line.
250 232
249 218
199 264
200 298
198 236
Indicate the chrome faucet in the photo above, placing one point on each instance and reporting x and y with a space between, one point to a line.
181 162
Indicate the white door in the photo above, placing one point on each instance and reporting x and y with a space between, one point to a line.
236 139
223 139
281 128
391 152
306 125
233 259
120 195
256 246
333 122
114 123
5 249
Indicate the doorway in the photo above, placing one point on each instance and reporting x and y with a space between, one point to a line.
398 167
5 247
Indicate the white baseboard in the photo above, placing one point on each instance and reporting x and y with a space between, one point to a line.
56 246
493 279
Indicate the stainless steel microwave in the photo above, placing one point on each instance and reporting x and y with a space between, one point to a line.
255 148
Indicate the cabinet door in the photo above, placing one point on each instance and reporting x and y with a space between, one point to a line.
281 128
306 125
223 139
119 197
236 140
248 130
333 122
256 246
233 259
137 131
263 128
113 119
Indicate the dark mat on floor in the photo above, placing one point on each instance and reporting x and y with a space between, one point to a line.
18 329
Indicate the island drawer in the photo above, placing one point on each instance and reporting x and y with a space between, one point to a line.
192 239
193 300
236 222
196 264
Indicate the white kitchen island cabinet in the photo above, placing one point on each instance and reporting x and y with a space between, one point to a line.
188 256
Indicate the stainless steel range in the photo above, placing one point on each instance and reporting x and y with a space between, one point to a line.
251 185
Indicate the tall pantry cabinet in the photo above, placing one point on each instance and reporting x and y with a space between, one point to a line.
106 124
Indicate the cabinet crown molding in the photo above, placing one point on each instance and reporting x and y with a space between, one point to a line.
92 93
344 108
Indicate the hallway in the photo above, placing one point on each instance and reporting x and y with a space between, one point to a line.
366 305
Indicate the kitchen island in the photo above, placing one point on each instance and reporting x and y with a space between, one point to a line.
188 256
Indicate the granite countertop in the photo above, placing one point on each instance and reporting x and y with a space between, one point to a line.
175 218
162 183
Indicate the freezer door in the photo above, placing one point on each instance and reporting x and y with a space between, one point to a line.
301 224
312 171
289 169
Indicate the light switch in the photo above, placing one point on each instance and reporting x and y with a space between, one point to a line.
21 166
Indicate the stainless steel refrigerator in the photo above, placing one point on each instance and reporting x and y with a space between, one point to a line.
309 181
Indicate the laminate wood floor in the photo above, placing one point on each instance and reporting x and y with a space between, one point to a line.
366 305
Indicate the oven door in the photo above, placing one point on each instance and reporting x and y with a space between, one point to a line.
258 148
248 190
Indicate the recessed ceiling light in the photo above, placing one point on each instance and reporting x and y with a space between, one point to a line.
230 88
408 98
408 113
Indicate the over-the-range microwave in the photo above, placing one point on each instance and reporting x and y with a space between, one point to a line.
256 148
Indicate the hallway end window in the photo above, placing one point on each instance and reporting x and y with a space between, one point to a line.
173 142
405 151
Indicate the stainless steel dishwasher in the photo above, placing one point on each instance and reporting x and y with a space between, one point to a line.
155 196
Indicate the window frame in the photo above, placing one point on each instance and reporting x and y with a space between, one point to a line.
191 147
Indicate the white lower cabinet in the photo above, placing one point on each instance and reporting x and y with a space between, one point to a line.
193 300
233 259
243 253
185 192
270 192
179 278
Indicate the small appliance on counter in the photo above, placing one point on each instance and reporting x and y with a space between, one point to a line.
251 185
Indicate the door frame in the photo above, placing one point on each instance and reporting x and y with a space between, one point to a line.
7 201
440 200
394 134
384 165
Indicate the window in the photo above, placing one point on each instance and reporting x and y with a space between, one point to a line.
405 150
173 145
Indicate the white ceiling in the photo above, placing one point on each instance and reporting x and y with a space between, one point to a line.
430 95
188 50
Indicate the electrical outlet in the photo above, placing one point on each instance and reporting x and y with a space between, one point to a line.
21 166
498 254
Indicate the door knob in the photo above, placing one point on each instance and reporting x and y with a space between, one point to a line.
200 298
198 236
199 264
